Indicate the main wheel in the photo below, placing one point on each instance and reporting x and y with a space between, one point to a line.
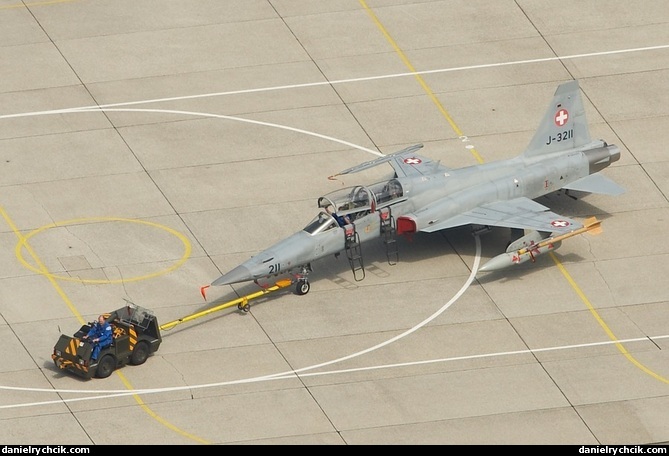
302 287
140 353
106 366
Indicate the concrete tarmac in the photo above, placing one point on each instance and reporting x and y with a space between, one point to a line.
147 147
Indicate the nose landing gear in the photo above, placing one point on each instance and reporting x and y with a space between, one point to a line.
302 285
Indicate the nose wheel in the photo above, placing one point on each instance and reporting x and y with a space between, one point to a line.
302 287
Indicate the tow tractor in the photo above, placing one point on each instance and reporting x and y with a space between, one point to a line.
136 335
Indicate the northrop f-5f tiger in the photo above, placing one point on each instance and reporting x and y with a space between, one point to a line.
425 196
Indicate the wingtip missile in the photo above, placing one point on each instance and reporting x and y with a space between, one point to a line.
532 247
592 225
507 259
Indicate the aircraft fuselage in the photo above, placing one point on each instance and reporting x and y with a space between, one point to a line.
424 196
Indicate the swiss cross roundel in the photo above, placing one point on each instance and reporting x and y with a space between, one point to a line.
560 223
561 117
412 161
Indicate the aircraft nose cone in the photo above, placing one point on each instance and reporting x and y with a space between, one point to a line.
239 274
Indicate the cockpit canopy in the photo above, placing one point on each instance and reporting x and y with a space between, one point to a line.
359 199
353 202
321 223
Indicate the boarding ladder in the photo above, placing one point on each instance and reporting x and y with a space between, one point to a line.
354 252
388 230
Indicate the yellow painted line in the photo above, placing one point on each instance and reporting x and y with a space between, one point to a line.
23 241
419 78
562 269
52 279
41 267
602 323
154 415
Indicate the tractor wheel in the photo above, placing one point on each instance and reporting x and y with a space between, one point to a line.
106 366
140 353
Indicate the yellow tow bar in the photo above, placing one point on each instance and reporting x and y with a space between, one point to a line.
242 303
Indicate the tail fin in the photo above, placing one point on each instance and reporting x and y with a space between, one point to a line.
564 125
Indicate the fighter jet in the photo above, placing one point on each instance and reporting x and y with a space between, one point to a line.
423 195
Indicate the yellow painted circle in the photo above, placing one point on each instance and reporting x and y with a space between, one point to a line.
23 243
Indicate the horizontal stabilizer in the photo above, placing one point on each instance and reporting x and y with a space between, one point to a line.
596 183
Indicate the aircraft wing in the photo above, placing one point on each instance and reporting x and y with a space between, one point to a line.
522 213
405 163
